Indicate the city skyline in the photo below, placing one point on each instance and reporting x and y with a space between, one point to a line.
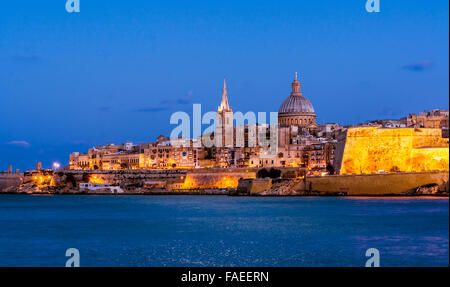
100 89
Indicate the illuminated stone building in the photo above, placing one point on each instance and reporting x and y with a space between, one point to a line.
79 160
235 146
301 142
296 109
382 145
432 119
379 150
224 122
122 160
166 154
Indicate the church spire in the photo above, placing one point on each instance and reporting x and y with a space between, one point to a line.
224 103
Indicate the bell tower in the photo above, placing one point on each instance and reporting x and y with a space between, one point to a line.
224 121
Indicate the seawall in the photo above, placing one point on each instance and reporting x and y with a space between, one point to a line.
376 184
412 183
9 180
237 181
172 180
215 178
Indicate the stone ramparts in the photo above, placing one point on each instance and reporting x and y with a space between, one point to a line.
8 180
374 184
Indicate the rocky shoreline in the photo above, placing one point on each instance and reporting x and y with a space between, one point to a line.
277 192
134 183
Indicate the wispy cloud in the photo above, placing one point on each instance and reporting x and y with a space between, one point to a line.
390 113
186 99
152 109
419 66
19 143
26 58
104 108
168 104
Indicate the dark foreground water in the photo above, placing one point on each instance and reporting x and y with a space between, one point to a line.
222 231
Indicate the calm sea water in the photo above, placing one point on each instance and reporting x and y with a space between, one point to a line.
222 230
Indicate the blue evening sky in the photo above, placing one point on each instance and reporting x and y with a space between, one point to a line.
117 70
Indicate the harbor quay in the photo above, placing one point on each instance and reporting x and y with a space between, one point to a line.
234 181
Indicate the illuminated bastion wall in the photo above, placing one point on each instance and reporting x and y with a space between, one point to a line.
372 149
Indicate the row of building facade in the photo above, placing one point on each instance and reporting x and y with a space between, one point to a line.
300 142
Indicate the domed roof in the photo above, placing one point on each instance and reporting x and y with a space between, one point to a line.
296 103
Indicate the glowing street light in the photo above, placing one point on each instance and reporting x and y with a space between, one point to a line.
56 165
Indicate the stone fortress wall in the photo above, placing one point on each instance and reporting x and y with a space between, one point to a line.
175 179
245 182
405 183
366 150
215 178
9 179
375 184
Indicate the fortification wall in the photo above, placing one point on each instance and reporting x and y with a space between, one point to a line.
176 179
9 180
374 184
120 177
369 149
216 178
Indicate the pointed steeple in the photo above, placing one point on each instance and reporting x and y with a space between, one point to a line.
224 103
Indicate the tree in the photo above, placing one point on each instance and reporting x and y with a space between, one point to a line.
330 169
395 169
262 173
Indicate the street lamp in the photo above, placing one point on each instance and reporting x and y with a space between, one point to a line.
56 165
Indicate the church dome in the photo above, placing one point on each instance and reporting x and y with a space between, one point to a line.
296 109
296 104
